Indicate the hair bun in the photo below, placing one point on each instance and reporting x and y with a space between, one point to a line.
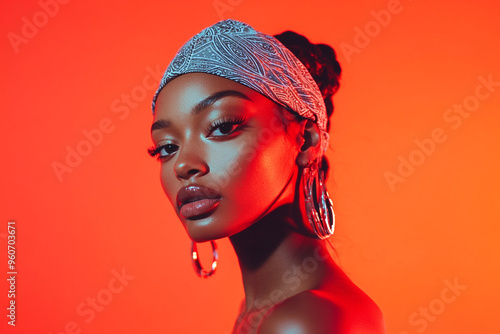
330 68
320 60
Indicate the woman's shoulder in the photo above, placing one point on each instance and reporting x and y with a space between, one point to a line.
318 311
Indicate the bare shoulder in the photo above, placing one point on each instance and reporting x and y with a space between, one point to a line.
315 312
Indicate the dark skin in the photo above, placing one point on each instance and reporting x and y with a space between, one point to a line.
237 145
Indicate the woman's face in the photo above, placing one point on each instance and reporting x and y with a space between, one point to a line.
225 155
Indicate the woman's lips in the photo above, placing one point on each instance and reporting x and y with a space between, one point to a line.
199 208
196 200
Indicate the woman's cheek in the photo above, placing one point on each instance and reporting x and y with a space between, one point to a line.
167 179
227 162
256 177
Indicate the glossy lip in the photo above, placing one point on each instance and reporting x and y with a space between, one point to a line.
203 196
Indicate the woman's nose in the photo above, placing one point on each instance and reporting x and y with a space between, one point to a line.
189 163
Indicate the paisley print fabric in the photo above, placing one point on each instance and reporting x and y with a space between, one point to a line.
235 51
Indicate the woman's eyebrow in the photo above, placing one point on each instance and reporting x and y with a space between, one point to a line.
207 102
200 106
160 124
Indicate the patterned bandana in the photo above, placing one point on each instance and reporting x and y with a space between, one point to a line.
235 51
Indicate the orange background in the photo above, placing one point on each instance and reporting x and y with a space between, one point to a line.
401 243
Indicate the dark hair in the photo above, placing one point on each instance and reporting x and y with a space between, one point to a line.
321 62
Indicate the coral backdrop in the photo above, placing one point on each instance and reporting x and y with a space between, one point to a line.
96 246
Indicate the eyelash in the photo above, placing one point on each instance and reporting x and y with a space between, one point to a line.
155 151
225 121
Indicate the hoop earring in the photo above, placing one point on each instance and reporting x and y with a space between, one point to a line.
195 259
319 206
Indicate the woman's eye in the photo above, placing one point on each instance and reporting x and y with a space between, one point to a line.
225 127
166 150
163 151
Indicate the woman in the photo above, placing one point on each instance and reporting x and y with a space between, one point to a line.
241 127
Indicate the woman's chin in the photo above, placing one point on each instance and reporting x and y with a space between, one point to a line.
200 238
203 231
208 232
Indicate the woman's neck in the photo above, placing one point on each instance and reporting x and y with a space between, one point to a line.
276 262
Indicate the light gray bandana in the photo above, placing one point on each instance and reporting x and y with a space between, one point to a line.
235 51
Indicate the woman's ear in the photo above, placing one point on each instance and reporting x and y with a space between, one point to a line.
310 141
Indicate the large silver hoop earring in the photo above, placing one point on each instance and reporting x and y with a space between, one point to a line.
319 206
195 259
